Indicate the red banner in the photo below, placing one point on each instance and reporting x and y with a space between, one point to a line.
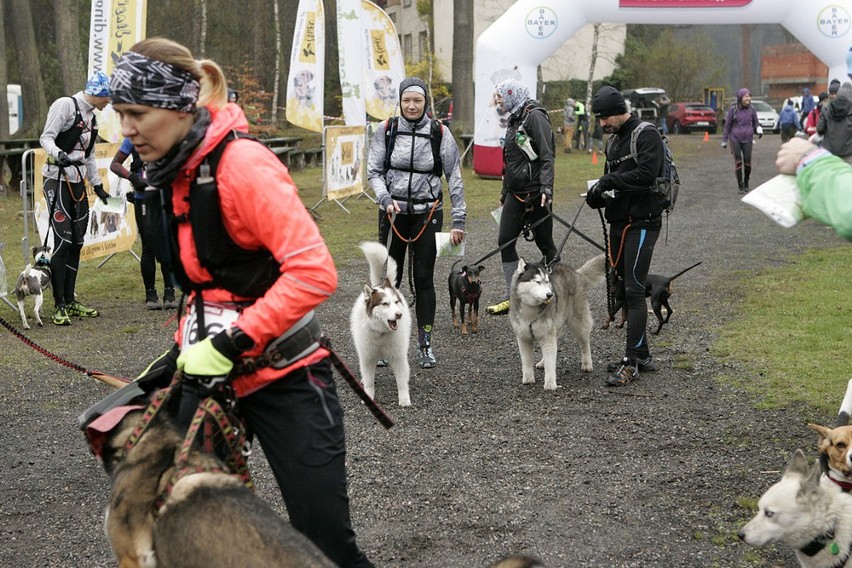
682 3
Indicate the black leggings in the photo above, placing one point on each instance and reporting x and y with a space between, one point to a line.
633 263
512 224
422 256
148 262
742 161
69 208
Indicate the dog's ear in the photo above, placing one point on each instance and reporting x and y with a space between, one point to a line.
463 269
368 291
522 265
824 436
481 268
387 283
798 464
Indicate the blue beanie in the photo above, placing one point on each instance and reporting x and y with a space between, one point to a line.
98 85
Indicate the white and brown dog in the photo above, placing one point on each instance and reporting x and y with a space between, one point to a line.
835 446
380 323
33 281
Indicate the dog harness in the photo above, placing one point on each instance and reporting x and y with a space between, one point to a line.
824 540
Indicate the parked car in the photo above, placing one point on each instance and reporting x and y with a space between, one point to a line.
644 103
687 117
766 116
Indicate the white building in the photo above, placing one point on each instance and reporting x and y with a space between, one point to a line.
571 61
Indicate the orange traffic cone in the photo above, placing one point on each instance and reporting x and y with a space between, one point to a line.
595 158
706 136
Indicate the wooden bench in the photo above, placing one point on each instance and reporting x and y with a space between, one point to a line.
283 153
313 156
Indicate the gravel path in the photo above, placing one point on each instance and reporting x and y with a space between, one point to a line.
481 466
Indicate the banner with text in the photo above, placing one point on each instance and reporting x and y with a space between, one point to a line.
384 69
305 84
351 64
345 151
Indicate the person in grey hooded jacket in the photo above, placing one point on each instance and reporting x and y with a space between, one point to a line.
835 124
407 183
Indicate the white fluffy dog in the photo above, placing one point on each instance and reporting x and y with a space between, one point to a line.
381 324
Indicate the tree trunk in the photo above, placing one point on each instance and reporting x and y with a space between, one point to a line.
288 27
4 76
463 67
332 61
202 36
277 74
32 89
68 52
593 61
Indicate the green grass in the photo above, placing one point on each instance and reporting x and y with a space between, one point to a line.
793 332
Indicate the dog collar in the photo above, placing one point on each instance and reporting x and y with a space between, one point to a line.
844 485
815 546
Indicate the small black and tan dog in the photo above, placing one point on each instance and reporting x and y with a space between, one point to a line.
33 281
659 289
465 289
207 517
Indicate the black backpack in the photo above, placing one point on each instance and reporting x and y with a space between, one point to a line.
668 184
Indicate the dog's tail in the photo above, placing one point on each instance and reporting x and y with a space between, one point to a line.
685 270
381 263
594 271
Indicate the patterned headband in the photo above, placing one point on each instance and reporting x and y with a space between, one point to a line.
139 80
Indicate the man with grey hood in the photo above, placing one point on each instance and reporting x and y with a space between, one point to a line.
835 124
408 156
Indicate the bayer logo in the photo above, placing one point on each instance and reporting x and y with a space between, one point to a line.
834 21
541 22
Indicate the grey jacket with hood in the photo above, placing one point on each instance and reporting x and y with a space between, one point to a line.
415 192
835 123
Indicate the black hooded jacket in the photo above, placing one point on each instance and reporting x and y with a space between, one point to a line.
633 181
835 123
521 175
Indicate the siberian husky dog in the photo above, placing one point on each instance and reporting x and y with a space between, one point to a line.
381 323
544 300
800 512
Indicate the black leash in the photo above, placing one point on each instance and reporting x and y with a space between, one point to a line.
373 406
62 361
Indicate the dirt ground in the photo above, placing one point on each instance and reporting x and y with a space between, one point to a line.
648 475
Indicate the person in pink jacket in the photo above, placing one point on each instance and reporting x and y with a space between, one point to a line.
253 267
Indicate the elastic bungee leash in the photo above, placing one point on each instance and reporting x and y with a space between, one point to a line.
111 380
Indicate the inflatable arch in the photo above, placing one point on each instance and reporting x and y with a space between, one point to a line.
531 30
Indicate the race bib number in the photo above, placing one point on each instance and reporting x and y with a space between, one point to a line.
217 317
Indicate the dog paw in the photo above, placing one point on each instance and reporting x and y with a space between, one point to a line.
527 380
550 385
404 401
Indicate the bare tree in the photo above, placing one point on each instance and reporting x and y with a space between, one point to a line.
202 39
68 50
424 11
277 74
4 79
26 50
593 61
463 66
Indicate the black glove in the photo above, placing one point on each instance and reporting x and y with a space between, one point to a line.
102 195
63 160
594 197
137 182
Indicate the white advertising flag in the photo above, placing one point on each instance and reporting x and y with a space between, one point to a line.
115 26
305 90
349 39
384 69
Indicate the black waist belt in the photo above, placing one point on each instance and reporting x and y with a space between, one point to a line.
296 343
419 201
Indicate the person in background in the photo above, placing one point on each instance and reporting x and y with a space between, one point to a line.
136 197
582 126
811 122
528 174
835 124
633 210
788 120
68 138
233 96
824 181
833 87
597 141
174 110
409 193
569 121
741 124
807 104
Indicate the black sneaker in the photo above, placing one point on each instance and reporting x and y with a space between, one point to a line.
626 373
151 300
169 301
645 366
